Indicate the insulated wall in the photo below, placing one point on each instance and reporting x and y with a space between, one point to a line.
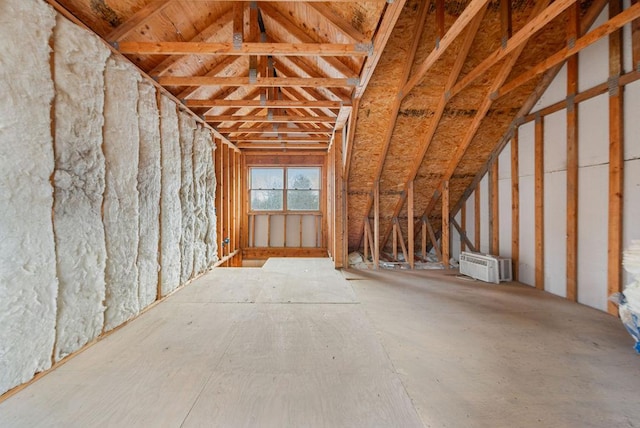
84 161
79 186
28 282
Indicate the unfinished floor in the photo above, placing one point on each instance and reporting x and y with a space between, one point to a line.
296 343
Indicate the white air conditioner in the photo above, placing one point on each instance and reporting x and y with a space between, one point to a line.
485 267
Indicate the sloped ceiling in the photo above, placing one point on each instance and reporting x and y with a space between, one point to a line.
424 80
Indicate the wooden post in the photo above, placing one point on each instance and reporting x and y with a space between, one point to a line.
635 40
463 220
376 225
494 212
338 231
439 21
515 207
424 239
444 236
505 22
366 240
476 217
573 30
410 233
539 201
616 160
219 166
432 236
395 239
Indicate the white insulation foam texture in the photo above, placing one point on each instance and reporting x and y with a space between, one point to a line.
211 238
28 284
200 151
170 210
80 59
121 148
148 194
187 125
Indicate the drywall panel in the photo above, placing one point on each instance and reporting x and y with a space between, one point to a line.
201 151
593 189
555 229
261 231
593 63
526 149
148 194
626 42
527 261
555 142
504 200
555 92
294 227
170 210
210 178
28 284
79 185
310 231
631 121
593 131
631 206
121 216
470 227
277 231
187 127
484 215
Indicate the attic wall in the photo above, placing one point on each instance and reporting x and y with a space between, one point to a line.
80 191
593 175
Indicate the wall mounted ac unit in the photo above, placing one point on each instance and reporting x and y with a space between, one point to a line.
485 267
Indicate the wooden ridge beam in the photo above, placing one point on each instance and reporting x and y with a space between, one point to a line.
518 40
137 19
609 27
387 23
207 48
427 138
262 82
474 7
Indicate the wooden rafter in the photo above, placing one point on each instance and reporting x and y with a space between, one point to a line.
262 103
265 82
273 119
469 13
427 138
387 23
338 22
137 19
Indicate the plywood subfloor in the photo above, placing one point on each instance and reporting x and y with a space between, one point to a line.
296 344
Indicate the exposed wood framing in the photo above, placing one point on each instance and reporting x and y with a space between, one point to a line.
463 234
609 27
616 160
635 40
138 18
273 119
423 246
506 26
410 222
444 238
494 212
427 138
432 237
539 202
376 225
340 255
401 239
263 103
338 22
515 206
264 82
573 29
351 132
463 231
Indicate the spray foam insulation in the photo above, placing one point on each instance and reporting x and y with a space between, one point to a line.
79 178
170 208
200 152
148 194
121 148
28 284
187 125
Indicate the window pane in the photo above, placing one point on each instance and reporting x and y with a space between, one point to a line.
267 178
303 200
303 178
266 200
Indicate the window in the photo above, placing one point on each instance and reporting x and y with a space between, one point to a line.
285 189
